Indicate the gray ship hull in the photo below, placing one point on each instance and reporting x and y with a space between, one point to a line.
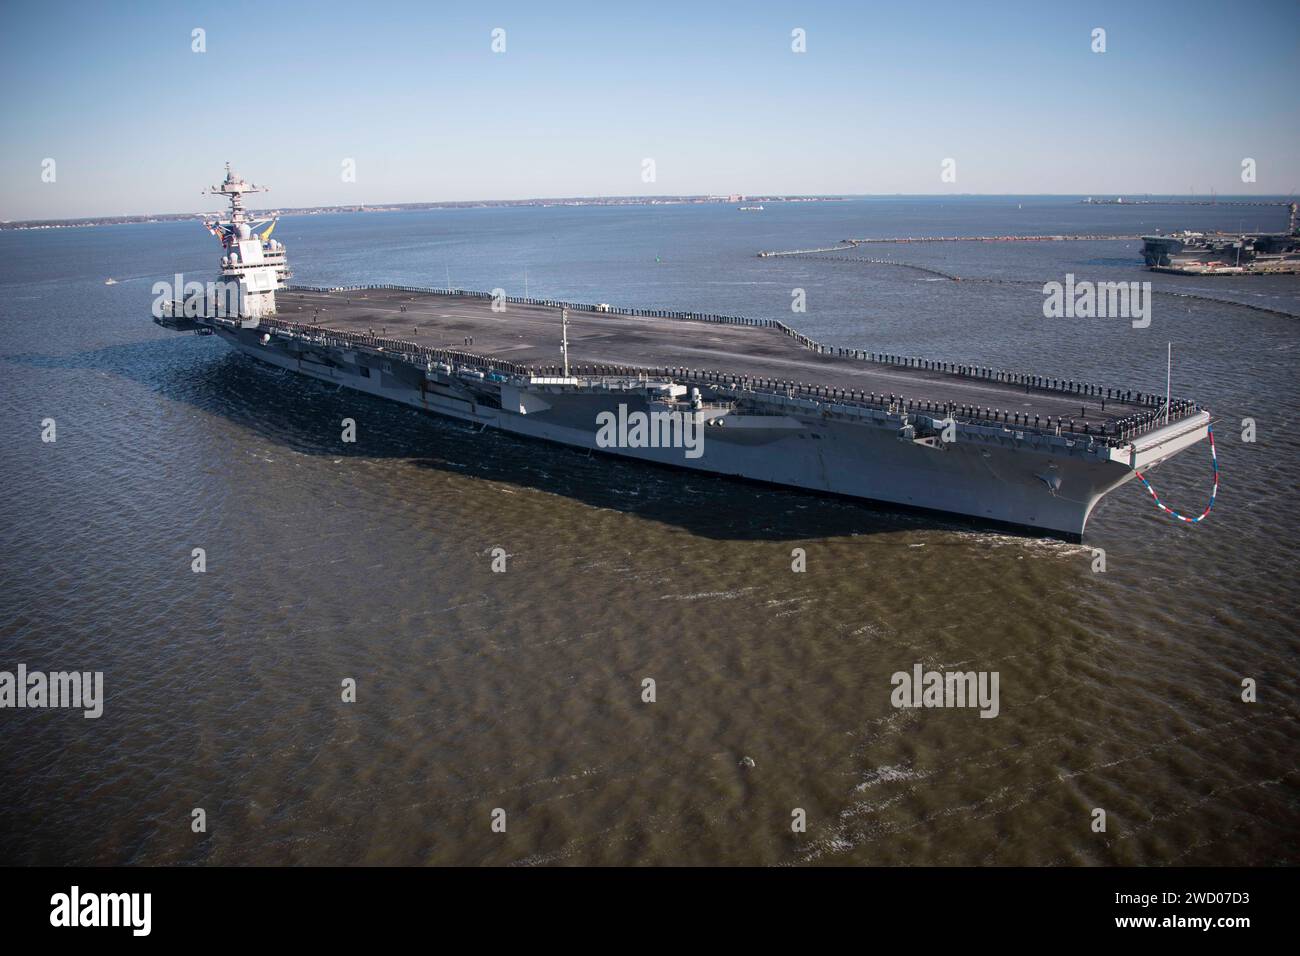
1196 254
1022 479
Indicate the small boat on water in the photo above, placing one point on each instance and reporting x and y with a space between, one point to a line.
110 281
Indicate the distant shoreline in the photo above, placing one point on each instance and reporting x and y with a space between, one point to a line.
414 206
1148 199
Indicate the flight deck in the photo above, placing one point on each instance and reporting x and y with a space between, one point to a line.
529 335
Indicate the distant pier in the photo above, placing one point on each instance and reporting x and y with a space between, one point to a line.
1183 202
993 280
867 242
804 252
849 244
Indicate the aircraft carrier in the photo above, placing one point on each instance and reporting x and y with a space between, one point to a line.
1219 253
751 398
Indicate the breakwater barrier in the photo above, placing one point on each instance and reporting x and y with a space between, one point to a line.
803 252
848 244
892 262
1053 238
991 280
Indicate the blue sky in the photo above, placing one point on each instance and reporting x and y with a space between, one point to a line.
712 92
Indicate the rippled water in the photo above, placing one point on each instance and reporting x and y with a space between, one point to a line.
1119 690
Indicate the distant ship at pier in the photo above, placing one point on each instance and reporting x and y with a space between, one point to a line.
1224 253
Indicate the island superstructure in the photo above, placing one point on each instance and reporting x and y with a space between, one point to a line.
769 403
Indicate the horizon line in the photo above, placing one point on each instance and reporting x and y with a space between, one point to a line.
1103 198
